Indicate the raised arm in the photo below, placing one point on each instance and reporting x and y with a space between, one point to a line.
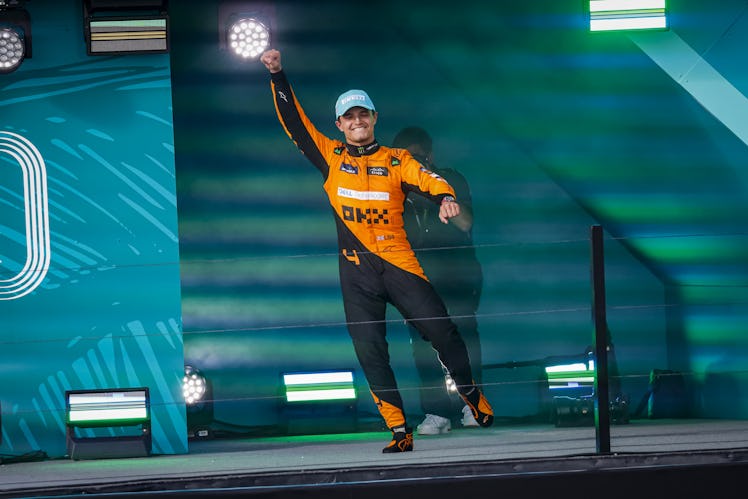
296 124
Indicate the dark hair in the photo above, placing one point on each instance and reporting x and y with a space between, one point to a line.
413 135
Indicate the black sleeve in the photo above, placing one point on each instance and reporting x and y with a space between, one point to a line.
296 124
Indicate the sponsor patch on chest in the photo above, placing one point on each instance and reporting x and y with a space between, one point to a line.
379 171
345 167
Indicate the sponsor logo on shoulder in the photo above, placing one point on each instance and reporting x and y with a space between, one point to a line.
431 174
379 171
345 167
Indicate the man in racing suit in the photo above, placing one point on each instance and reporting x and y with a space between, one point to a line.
366 185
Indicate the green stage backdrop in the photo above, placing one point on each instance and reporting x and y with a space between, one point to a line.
90 299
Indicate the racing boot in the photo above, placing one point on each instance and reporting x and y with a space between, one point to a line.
402 440
479 406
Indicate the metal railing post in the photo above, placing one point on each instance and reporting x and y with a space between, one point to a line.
602 392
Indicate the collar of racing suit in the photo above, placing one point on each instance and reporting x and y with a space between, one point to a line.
362 150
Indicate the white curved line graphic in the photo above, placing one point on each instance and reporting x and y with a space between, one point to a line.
37 216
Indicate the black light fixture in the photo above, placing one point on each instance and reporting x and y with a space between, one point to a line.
198 398
319 402
15 35
108 423
126 26
245 28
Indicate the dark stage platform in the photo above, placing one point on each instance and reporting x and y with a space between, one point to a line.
649 458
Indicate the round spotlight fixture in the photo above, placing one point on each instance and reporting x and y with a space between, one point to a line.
248 38
12 50
194 385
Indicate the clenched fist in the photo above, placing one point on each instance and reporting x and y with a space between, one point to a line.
272 60
448 209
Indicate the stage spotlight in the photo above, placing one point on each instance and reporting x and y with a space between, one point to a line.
15 35
319 402
198 395
93 416
614 15
126 26
245 28
193 385
248 38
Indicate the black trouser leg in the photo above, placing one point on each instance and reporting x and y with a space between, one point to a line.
365 309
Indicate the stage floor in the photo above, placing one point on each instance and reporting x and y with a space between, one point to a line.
254 465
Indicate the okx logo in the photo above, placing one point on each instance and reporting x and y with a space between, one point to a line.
368 216
31 201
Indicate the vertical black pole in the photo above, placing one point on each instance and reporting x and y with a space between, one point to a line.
602 392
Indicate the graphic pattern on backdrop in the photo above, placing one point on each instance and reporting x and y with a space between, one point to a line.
36 213
107 313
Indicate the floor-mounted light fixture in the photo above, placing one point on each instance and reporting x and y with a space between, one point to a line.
319 402
108 423
15 35
245 28
126 26
198 397
614 15
571 386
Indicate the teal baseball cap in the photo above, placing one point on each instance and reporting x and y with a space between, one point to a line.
352 98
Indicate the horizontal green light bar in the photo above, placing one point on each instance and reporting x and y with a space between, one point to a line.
107 407
304 387
129 23
571 379
628 23
317 378
625 5
118 415
611 15
565 368
326 394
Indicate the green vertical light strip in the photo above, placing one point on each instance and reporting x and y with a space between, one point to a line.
614 15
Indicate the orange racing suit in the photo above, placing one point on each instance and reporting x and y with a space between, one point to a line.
367 187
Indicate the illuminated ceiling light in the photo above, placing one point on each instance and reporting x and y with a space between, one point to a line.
126 27
615 15
194 385
248 38
308 387
15 35
245 28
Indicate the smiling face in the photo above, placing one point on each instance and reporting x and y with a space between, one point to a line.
357 124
